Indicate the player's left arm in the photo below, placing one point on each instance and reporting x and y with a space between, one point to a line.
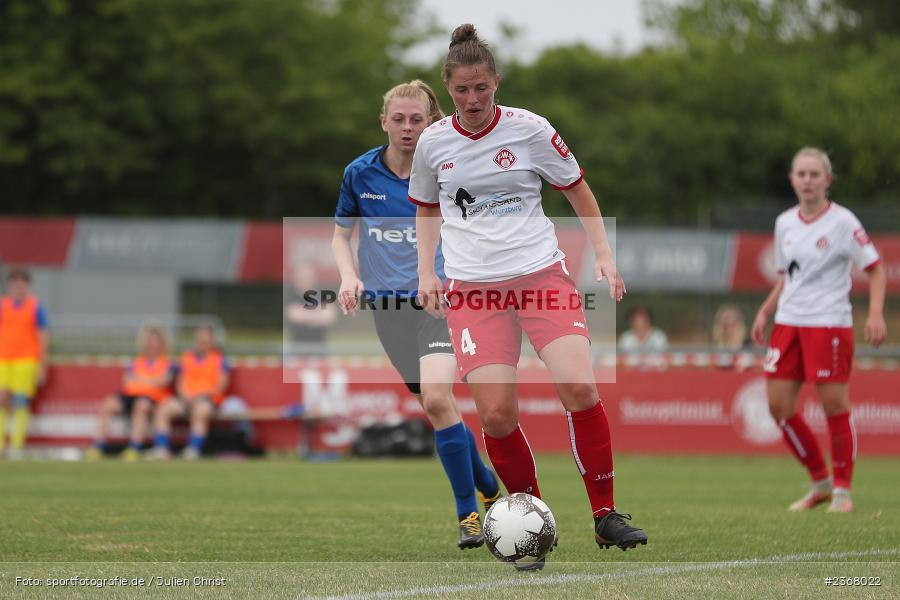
225 376
876 329
44 342
585 205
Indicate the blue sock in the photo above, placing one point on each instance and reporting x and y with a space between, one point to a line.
485 480
135 445
161 440
453 449
196 442
100 445
20 400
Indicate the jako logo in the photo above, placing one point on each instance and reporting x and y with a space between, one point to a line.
395 236
446 166
371 196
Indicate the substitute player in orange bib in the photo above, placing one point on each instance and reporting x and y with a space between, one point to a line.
816 243
481 171
145 385
23 354
203 376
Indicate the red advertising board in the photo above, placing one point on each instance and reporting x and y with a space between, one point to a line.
679 410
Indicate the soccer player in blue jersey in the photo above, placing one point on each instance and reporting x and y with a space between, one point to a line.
374 192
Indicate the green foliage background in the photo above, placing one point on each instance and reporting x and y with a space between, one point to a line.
251 109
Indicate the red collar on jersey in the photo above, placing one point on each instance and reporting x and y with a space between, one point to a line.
480 134
815 218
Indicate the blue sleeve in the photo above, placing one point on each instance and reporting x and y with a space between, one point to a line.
42 321
347 207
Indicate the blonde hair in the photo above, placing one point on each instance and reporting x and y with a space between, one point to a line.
815 153
735 339
152 329
418 90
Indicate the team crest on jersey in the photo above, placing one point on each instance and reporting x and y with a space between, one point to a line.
505 158
822 243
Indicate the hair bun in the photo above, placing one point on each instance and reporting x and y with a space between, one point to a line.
463 34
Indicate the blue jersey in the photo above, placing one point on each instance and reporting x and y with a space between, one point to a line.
372 193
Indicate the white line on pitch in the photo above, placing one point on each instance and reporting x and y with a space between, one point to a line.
550 579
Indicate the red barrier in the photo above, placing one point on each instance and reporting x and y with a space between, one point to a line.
688 410
35 242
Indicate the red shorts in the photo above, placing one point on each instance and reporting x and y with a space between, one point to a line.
486 320
816 354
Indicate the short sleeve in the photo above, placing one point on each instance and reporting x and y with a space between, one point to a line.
423 183
347 207
42 321
862 250
777 252
552 159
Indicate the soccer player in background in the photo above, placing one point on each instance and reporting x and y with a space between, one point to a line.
816 243
375 190
203 376
481 172
145 385
23 353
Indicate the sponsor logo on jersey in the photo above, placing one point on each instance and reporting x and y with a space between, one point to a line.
823 373
371 196
463 196
560 146
497 204
822 243
446 166
394 236
578 324
505 158
861 237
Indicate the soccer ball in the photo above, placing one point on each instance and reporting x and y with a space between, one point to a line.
519 529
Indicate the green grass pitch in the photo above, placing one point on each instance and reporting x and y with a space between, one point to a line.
385 529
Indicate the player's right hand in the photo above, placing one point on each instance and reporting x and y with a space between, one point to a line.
349 294
758 330
431 296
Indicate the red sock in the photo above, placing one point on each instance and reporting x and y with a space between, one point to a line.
589 435
843 448
800 439
513 462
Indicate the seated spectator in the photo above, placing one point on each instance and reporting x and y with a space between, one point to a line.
306 324
729 330
642 336
200 385
145 385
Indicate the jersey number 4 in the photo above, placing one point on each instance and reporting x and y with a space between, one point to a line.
466 343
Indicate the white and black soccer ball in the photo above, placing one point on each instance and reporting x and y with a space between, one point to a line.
519 529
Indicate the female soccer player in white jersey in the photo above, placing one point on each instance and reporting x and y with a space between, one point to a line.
374 194
481 171
816 243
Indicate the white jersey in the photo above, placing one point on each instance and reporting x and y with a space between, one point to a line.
815 257
488 186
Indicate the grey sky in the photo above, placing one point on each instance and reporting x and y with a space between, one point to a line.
608 25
